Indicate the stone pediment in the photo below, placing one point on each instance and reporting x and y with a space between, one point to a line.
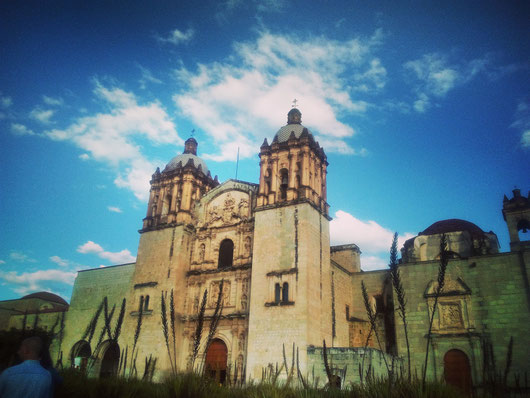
452 287
227 204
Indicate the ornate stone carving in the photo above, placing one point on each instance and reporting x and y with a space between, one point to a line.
244 302
214 293
228 213
202 250
451 316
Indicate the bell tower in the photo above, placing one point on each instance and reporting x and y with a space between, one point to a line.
516 213
293 168
291 277
174 190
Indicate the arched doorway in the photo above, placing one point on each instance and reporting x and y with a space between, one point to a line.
457 371
110 360
226 253
80 354
216 359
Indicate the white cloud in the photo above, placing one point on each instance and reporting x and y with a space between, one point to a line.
370 263
6 102
52 101
36 281
111 137
256 86
114 209
120 257
177 36
20 129
147 77
435 76
522 122
2 262
373 239
42 115
21 257
60 261
525 139
84 156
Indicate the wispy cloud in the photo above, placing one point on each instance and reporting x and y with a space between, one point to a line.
60 261
120 257
42 115
522 122
52 101
5 101
84 156
177 36
21 257
20 129
147 77
28 282
373 239
111 137
114 209
256 87
435 76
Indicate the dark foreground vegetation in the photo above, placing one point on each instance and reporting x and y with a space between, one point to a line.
76 384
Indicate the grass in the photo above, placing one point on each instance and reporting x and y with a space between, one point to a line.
191 385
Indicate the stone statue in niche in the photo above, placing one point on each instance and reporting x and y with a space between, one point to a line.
244 302
202 250
214 293
247 247
451 316
241 342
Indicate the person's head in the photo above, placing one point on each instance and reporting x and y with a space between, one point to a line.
30 348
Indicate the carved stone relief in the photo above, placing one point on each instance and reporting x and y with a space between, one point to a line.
214 293
451 316
228 210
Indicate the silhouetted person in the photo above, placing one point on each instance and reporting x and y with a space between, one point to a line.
29 379
47 363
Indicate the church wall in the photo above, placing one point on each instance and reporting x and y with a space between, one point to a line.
90 287
495 309
162 262
291 244
342 288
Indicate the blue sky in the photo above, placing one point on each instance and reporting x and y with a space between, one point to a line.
423 109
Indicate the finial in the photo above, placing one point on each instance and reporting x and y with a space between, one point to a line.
192 133
294 103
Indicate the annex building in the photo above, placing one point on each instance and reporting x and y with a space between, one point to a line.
267 245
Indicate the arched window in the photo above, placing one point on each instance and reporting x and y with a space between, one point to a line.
146 303
284 183
226 253
166 205
277 293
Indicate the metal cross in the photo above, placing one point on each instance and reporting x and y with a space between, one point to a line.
294 103
192 132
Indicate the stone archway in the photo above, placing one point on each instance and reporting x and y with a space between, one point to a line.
216 360
110 360
457 371
80 354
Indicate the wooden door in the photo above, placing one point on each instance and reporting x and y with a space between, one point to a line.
216 359
457 371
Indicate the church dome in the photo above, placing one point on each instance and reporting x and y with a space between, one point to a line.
294 125
189 156
46 296
453 225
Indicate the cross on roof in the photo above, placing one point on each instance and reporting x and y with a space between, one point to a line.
192 133
294 103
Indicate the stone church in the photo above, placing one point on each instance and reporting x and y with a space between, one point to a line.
285 289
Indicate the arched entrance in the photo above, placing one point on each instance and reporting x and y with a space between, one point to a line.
80 354
216 359
457 371
110 360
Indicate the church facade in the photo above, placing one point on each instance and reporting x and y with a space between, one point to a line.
285 289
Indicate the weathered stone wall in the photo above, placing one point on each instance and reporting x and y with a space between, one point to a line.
346 362
342 289
494 309
90 287
291 244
